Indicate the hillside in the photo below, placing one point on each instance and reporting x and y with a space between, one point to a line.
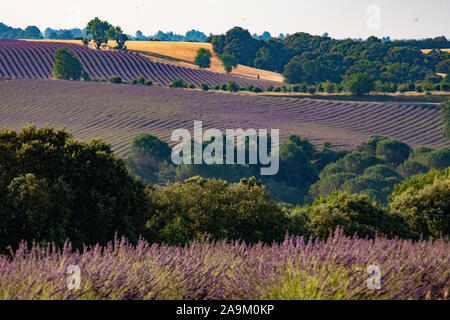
117 113
183 54
34 60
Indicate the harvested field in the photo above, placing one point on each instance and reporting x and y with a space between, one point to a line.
117 113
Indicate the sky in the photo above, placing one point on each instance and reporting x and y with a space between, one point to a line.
399 19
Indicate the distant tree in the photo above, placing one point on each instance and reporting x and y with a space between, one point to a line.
443 66
67 66
394 152
203 58
228 62
445 83
359 84
445 111
116 34
98 30
264 59
148 156
32 32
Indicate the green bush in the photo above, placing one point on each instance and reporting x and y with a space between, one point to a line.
355 213
204 87
232 86
424 202
178 83
115 79
214 208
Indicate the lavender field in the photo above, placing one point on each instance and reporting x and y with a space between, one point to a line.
293 269
117 113
34 60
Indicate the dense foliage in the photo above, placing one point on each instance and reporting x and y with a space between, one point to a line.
215 209
312 59
54 188
424 202
377 166
445 109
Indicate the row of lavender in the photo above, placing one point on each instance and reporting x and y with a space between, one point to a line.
34 60
339 268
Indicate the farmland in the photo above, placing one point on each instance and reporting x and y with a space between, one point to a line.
183 54
34 60
117 113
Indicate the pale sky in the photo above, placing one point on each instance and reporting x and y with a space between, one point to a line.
398 19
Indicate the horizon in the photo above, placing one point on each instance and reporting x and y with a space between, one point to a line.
347 19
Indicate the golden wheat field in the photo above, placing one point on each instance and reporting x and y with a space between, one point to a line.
427 51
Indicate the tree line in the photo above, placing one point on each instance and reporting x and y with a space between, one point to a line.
55 188
302 57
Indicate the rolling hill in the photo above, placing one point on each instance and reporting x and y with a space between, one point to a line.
183 54
34 60
117 113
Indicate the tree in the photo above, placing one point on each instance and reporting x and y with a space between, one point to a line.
208 207
54 188
67 66
32 32
228 62
293 71
148 157
116 34
445 111
98 30
394 152
359 84
355 213
424 202
203 58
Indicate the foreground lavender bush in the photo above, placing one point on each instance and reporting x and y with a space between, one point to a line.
293 269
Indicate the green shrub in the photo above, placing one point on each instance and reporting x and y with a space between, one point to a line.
204 87
214 208
178 83
232 86
115 79
355 214
424 202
